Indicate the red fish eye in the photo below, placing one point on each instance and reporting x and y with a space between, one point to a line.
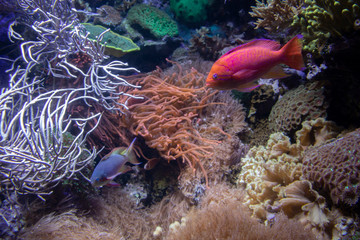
215 76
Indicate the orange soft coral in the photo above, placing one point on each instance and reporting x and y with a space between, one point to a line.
165 117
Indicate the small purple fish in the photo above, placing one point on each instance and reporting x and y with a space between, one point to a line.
112 165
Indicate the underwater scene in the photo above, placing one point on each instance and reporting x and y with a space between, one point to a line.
179 119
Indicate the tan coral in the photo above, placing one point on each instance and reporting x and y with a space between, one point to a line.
273 179
266 170
316 132
296 106
299 197
302 202
222 215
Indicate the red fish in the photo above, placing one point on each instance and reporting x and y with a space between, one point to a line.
243 65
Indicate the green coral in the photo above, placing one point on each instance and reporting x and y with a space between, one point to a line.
116 45
317 20
157 22
322 19
190 11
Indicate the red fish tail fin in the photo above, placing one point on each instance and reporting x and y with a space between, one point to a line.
292 53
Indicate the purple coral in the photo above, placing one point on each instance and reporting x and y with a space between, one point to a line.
335 168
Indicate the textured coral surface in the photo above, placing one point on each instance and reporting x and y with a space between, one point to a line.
335 168
152 19
303 103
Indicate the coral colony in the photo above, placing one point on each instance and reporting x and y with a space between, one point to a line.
214 139
41 141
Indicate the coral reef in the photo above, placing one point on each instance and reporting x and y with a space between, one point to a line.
154 20
116 45
307 206
222 122
317 20
208 46
334 168
48 155
110 216
273 179
191 12
109 16
316 132
222 215
58 69
267 169
124 5
325 19
182 120
259 134
276 16
303 103
165 117
262 101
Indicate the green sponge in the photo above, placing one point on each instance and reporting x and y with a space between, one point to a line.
154 20
190 11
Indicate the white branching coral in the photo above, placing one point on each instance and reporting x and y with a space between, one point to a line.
59 69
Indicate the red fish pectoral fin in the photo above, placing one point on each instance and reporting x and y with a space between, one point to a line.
275 72
247 87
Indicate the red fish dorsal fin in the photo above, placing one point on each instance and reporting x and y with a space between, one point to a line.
264 43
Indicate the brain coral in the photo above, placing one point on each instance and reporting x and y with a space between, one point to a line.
335 168
303 103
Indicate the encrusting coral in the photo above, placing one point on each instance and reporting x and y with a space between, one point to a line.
266 170
154 20
273 179
316 132
303 103
334 168
209 47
